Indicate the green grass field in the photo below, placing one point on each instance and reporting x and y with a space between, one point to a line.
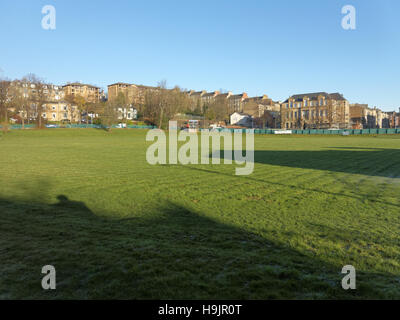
87 202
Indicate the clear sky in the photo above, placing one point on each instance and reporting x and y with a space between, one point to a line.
278 48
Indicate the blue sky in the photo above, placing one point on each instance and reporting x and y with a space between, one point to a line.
276 47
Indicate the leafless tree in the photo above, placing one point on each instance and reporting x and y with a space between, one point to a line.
4 99
71 106
219 109
122 104
109 115
39 95
20 101
162 104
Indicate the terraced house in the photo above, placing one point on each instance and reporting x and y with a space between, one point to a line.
61 111
318 110
364 117
203 98
394 119
265 111
134 94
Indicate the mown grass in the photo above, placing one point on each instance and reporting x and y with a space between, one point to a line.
87 202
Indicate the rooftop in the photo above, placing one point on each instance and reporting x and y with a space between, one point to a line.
78 84
315 95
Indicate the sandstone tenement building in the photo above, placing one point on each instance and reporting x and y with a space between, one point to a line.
89 92
318 110
363 117
135 94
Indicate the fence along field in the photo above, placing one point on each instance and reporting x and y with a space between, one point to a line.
256 131
87 202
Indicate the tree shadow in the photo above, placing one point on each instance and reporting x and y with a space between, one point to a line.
365 161
360 197
175 254
373 162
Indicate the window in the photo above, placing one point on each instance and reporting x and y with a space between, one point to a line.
54 107
43 115
54 115
305 103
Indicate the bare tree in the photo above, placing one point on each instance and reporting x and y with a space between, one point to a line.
162 104
4 99
71 106
39 95
123 105
109 115
318 118
218 109
20 101
332 115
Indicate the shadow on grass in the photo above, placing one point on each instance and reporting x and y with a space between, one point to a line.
365 161
373 162
175 254
360 197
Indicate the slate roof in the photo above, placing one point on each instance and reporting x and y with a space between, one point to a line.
314 96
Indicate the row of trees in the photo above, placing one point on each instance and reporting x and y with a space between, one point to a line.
27 98
157 107
12 97
161 105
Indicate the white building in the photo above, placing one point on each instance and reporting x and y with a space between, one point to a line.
127 113
241 119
